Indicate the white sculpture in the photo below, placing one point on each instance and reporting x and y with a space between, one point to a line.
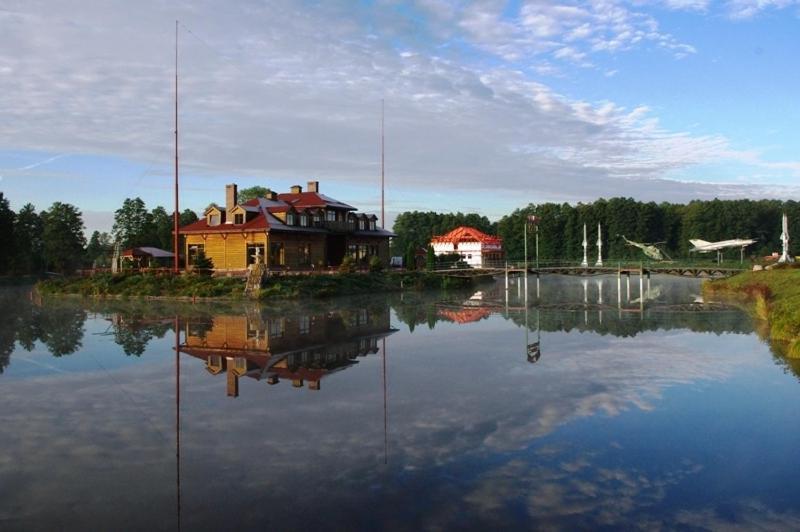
585 262
599 246
785 257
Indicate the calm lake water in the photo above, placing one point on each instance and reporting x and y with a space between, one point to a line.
592 409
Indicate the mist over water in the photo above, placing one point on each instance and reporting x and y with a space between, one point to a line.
583 404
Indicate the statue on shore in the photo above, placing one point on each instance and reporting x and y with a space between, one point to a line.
785 256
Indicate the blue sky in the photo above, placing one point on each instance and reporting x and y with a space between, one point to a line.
490 104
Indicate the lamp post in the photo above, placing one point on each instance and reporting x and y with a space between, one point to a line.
534 221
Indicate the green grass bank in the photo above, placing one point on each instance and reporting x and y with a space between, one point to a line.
147 285
772 296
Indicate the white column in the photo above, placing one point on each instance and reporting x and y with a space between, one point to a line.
585 262
599 246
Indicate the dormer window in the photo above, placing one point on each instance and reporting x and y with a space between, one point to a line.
317 217
304 220
238 219
330 216
290 219
361 224
213 219
372 225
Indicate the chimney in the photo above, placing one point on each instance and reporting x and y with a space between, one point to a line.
297 189
313 186
230 196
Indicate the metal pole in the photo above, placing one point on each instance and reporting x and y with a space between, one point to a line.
525 232
176 215
537 248
383 213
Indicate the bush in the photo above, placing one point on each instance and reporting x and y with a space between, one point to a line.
348 265
375 264
202 264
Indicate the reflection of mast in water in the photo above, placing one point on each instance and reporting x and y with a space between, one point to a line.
178 418
385 408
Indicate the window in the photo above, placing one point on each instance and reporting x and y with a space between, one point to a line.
362 251
304 254
277 328
304 325
317 217
303 220
352 250
238 219
290 219
213 219
194 249
255 253
330 216
277 256
361 224
372 225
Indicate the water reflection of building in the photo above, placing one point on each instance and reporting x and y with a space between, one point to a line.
302 349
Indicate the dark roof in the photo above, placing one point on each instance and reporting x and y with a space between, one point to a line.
265 221
147 251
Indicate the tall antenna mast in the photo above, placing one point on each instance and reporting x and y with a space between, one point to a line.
175 215
383 212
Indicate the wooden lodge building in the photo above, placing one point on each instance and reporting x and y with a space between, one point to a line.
301 349
297 230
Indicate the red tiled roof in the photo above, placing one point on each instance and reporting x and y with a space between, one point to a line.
312 199
467 234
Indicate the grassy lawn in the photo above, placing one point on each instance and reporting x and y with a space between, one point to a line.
773 296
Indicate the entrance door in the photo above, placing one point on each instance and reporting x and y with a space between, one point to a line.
336 249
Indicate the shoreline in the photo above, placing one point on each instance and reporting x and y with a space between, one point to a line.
772 297
193 288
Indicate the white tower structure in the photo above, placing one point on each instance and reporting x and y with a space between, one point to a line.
785 256
599 246
585 262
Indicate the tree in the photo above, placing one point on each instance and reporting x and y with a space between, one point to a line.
161 227
202 264
430 259
62 239
7 250
187 217
251 193
410 258
98 249
28 241
132 224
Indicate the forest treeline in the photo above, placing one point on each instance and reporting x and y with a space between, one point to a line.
53 240
561 226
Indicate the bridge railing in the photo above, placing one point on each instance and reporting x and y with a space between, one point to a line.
620 264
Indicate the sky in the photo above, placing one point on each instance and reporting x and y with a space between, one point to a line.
489 105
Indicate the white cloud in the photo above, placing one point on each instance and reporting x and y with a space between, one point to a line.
289 92
744 9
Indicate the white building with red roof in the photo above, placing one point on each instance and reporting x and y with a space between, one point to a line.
476 248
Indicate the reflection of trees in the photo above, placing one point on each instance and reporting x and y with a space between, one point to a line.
133 336
60 328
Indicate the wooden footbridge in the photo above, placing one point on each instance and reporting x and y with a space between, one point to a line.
644 270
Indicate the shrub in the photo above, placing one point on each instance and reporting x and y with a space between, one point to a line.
348 265
375 264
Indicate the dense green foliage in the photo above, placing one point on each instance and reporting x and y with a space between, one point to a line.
134 226
561 226
247 194
53 240
7 218
28 243
62 238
